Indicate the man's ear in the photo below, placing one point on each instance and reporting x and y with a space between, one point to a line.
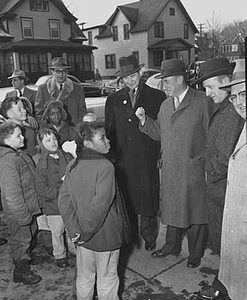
87 144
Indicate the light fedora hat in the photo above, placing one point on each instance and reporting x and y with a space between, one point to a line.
172 67
18 73
58 63
238 75
128 65
214 67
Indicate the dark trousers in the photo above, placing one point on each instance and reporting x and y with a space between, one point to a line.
21 238
196 240
148 227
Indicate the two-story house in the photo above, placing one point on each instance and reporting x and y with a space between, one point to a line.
234 48
151 30
32 32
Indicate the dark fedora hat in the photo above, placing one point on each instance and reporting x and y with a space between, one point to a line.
238 75
58 63
214 67
172 67
128 65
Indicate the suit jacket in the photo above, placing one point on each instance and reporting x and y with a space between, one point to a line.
135 154
183 141
30 94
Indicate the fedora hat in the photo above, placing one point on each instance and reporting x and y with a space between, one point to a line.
238 75
51 104
214 67
172 67
58 63
18 73
128 65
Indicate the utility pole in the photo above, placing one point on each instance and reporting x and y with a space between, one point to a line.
201 25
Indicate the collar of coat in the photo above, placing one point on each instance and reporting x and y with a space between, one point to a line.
54 91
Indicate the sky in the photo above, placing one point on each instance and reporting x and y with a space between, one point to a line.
96 12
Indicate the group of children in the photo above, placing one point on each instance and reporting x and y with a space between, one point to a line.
79 194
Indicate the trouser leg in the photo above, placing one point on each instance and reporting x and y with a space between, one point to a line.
86 273
173 244
107 275
149 228
57 230
197 240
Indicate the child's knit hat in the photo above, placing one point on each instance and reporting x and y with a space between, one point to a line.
51 104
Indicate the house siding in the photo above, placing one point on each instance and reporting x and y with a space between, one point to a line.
40 22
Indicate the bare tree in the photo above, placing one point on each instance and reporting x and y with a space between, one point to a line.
214 26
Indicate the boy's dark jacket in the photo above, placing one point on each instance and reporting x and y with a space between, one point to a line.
17 182
90 204
49 172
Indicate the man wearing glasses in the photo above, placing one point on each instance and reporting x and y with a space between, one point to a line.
224 130
60 88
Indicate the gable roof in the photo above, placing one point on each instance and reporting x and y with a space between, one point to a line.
8 7
142 14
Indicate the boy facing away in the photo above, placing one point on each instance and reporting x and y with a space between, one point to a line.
93 213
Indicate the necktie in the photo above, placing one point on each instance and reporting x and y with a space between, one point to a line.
133 97
176 102
61 86
20 94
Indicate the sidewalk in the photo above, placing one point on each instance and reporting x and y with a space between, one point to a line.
142 277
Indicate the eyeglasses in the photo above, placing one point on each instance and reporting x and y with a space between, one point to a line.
241 95
60 71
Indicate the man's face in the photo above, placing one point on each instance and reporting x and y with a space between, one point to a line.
238 98
59 75
16 139
17 112
211 86
132 81
171 86
18 83
55 115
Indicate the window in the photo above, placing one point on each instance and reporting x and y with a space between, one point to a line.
158 58
39 5
186 31
115 33
110 61
159 29
54 29
79 62
87 61
172 11
90 38
33 62
126 28
27 27
136 54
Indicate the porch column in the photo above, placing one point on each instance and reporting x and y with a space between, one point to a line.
49 58
16 61
189 56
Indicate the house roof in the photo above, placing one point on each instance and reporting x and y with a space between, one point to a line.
178 44
142 15
43 43
8 7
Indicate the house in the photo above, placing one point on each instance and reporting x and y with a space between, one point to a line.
32 32
152 30
233 49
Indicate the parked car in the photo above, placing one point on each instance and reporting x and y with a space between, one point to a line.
95 102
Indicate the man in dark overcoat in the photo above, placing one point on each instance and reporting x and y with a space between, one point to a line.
224 129
134 153
182 128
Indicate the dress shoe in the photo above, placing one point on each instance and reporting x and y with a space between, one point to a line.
3 241
211 294
193 263
150 246
161 254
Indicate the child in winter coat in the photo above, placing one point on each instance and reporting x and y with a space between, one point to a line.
50 171
94 213
19 199
55 117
